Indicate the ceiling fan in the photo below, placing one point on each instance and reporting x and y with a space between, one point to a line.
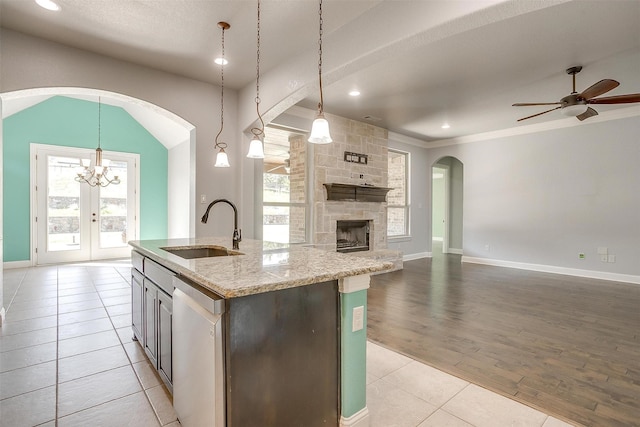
286 166
577 104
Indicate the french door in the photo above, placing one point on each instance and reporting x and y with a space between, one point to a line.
75 221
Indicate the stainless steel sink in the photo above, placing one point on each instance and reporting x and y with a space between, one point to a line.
191 252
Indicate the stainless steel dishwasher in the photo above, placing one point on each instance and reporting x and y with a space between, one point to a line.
198 364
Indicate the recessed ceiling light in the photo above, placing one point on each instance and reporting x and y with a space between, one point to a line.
354 93
445 126
221 61
48 4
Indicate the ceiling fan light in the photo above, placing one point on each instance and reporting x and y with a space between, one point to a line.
574 110
256 151
222 160
320 131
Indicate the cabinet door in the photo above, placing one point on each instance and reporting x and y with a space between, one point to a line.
165 314
150 321
137 295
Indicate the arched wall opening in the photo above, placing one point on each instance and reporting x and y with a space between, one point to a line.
447 204
175 134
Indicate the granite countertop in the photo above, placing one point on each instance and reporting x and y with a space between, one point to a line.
261 267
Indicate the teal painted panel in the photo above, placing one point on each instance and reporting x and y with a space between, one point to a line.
353 384
71 122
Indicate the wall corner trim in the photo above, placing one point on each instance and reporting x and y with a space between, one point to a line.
359 419
352 284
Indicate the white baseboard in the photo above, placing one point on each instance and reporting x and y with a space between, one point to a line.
359 419
17 264
455 251
419 255
603 275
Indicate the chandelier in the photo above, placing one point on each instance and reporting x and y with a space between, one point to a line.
99 175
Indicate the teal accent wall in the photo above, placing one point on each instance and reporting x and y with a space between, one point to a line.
72 122
353 387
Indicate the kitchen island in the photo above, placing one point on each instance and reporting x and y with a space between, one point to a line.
293 327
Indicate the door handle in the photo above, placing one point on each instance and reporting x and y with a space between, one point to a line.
94 219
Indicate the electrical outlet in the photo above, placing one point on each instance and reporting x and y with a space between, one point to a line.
358 318
604 258
487 248
602 250
611 258
581 255
203 198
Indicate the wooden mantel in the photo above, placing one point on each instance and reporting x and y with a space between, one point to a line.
358 193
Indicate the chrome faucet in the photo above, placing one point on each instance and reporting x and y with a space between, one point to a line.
237 234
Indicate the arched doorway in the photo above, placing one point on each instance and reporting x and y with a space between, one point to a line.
171 131
446 205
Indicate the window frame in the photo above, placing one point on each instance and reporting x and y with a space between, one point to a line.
407 196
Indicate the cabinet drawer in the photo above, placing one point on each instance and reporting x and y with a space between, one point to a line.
137 261
159 275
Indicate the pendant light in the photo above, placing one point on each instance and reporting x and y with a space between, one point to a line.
222 160
320 127
256 149
99 175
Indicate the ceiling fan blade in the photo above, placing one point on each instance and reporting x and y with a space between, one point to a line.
589 113
533 104
276 168
603 86
619 99
539 114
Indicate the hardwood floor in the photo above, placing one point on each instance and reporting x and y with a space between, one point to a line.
567 345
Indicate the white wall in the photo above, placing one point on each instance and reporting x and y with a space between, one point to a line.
544 197
30 62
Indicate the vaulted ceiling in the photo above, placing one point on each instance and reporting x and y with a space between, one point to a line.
417 63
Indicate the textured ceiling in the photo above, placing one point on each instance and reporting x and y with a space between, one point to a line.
417 63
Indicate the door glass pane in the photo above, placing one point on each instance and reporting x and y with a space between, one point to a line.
63 204
113 208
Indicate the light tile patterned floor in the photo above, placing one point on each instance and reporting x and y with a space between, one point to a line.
66 355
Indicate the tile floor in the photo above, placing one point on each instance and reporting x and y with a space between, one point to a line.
67 359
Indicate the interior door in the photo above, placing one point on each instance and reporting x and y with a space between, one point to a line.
78 222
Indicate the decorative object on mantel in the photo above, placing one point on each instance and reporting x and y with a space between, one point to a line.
320 128
99 175
357 193
356 157
256 150
222 160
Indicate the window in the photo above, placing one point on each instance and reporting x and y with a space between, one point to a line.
284 209
398 198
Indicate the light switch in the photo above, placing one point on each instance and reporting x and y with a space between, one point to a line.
358 319
602 250
203 198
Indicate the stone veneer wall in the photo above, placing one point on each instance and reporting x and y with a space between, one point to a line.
297 182
330 167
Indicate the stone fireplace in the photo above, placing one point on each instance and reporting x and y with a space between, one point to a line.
330 166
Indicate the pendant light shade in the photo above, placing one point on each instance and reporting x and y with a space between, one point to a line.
222 160
320 131
256 149
320 128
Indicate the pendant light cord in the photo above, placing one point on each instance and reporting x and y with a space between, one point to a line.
221 145
321 103
258 131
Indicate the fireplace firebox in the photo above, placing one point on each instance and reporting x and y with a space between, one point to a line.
352 236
